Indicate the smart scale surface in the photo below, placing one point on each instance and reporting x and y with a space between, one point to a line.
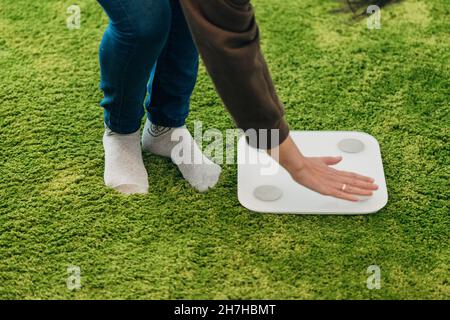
264 186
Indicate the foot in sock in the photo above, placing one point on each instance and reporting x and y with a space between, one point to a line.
124 167
197 169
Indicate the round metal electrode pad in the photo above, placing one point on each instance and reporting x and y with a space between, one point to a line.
351 145
267 193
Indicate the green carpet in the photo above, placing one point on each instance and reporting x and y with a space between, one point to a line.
331 74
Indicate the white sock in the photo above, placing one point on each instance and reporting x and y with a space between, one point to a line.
198 170
124 166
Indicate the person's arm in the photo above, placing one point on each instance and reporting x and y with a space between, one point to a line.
227 36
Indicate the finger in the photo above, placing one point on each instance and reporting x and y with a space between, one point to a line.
353 175
331 161
353 182
361 184
358 191
344 187
345 196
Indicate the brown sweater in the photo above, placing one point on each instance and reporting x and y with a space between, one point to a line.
227 38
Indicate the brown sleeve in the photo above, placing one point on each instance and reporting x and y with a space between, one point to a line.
227 37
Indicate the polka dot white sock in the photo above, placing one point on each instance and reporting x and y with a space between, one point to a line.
124 166
197 169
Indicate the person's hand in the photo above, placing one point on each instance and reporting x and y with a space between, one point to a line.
316 174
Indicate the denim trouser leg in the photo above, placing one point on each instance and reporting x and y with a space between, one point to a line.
174 75
131 44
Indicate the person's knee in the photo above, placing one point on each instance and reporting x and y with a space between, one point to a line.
151 24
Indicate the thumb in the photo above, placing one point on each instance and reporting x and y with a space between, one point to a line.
330 161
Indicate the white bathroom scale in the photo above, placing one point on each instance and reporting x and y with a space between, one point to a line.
264 186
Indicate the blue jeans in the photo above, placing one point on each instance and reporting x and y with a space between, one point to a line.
147 48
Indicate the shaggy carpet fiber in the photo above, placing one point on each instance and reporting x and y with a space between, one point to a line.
331 72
